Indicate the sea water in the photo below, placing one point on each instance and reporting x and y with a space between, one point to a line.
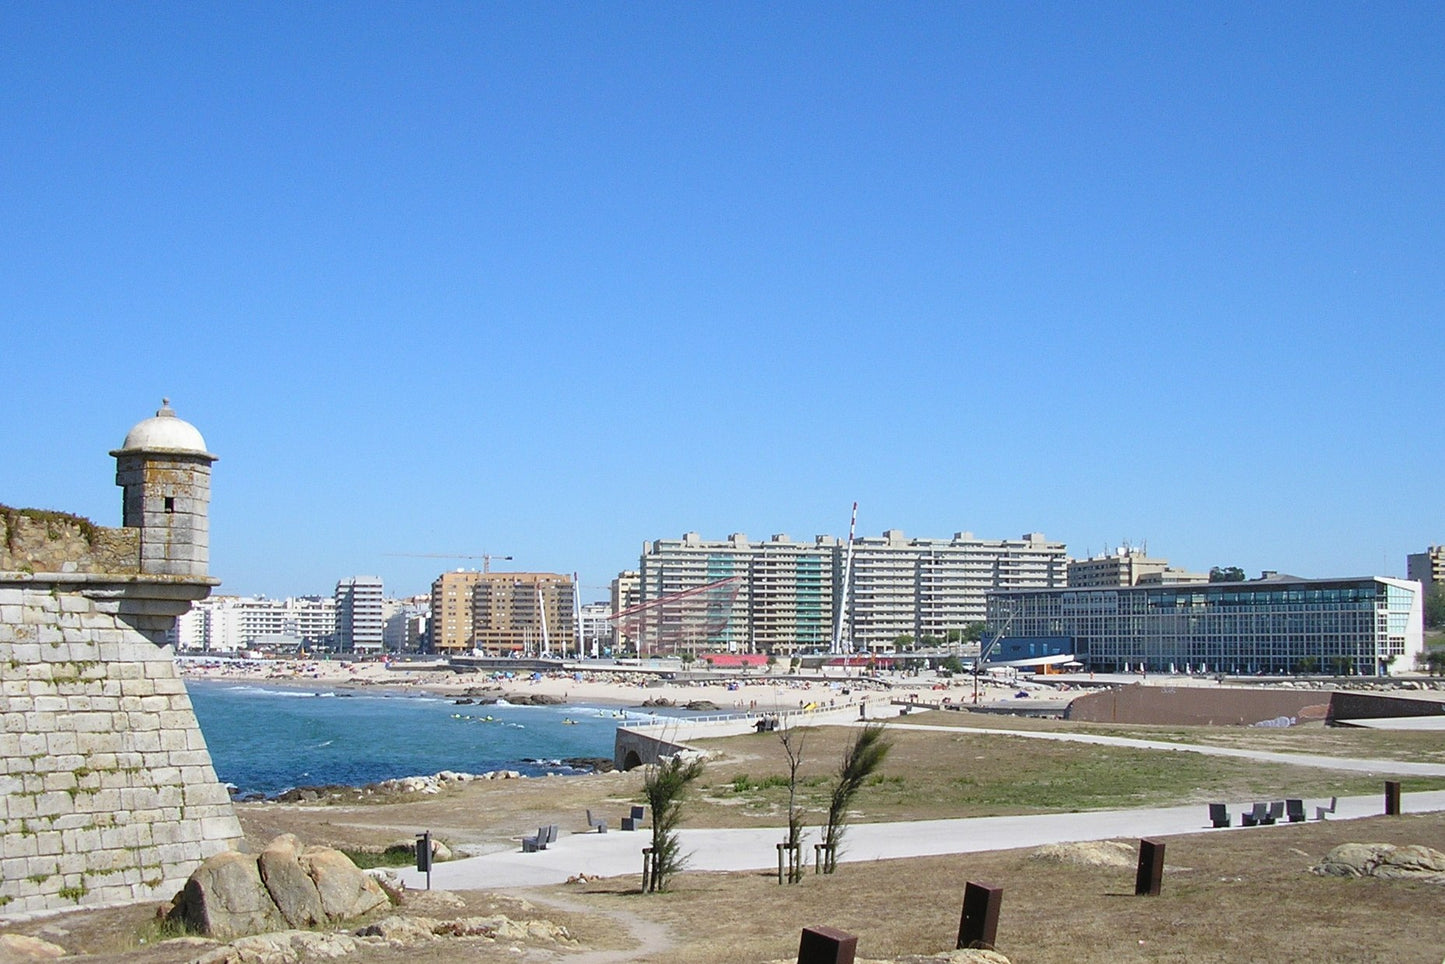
269 739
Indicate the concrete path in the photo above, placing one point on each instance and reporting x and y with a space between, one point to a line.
1353 765
618 853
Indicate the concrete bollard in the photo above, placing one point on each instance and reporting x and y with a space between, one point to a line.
826 945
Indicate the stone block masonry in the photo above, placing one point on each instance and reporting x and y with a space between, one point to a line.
107 793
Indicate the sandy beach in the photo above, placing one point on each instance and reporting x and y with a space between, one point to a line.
756 692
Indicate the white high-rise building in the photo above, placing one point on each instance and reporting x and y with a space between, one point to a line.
359 623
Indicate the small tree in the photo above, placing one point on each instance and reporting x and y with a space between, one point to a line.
792 741
1226 574
861 760
665 785
1435 606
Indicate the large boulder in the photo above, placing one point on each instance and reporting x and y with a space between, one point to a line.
232 895
345 891
290 886
1385 861
225 898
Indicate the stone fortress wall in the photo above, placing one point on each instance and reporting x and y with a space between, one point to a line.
107 792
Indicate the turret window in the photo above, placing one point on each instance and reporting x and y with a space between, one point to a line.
170 504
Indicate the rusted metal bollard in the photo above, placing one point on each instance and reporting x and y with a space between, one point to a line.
646 870
979 924
1392 798
1151 868
826 945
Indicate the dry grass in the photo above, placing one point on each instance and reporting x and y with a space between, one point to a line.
1241 896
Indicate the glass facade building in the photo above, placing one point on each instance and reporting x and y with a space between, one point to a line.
1367 626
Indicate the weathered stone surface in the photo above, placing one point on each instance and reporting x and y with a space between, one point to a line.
283 947
345 891
290 886
1385 861
401 930
225 899
21 947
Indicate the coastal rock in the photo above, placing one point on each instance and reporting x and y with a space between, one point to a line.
225 898
22 947
400 930
439 850
1384 861
703 706
230 895
282 947
657 701
532 699
291 888
345 891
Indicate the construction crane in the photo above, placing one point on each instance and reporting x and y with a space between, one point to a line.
840 639
987 648
486 557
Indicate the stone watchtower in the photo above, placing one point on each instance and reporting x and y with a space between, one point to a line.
165 471
107 791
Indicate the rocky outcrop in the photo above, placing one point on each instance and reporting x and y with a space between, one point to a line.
1385 861
282 947
232 895
397 931
20 947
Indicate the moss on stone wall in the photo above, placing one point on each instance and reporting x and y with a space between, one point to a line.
44 540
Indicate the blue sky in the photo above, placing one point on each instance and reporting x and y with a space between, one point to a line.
554 279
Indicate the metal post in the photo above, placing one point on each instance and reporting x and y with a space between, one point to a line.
826 945
1151 868
423 855
1392 798
979 925
781 846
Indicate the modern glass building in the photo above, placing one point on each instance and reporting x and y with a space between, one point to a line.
1280 624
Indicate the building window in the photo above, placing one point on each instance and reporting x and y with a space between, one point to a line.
170 504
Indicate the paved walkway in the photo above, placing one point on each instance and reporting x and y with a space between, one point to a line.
1349 764
618 853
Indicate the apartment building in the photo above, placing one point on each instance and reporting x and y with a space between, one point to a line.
925 587
359 621
1126 567
786 599
451 611
230 624
528 613
1428 567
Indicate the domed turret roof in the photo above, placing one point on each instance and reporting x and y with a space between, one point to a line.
164 432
